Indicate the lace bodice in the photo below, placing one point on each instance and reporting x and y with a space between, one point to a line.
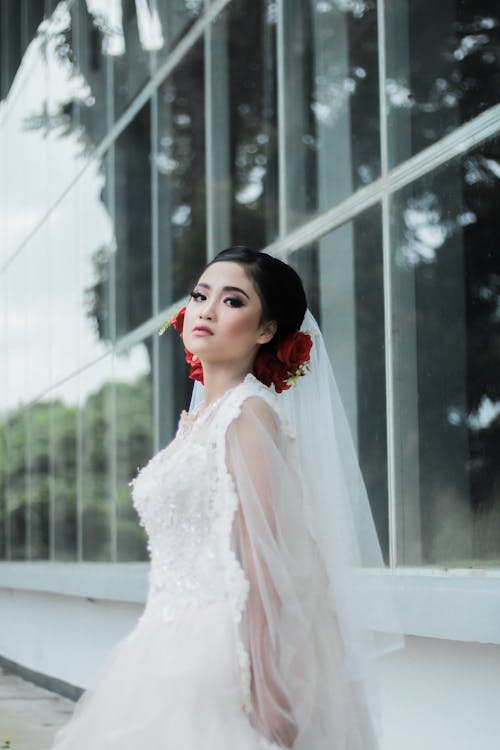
186 501
175 498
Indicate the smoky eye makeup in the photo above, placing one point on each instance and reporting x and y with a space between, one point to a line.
234 301
196 295
237 299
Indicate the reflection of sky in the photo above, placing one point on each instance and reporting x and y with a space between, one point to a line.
426 229
131 365
48 335
53 220
481 419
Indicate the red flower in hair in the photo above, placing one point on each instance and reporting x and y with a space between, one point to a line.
196 372
295 350
270 370
177 321
289 363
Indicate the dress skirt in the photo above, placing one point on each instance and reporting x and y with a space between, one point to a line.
167 686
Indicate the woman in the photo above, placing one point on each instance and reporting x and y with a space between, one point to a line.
250 638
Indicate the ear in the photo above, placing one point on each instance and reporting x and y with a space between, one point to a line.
267 332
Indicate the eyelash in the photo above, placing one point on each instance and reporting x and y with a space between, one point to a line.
235 301
197 295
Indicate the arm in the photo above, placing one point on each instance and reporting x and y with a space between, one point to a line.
256 450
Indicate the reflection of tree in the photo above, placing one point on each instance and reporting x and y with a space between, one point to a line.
441 233
252 115
333 119
180 164
14 481
370 365
96 297
454 67
62 112
64 421
133 449
456 79
482 270
449 73
39 460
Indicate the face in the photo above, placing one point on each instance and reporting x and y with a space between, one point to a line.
223 316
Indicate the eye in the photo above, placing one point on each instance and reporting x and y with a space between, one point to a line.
198 296
233 302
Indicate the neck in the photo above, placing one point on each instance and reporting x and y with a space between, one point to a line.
217 378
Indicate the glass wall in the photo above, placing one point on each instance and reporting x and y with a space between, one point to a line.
331 90
243 124
358 140
343 275
446 296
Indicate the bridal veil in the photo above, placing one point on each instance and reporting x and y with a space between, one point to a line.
319 609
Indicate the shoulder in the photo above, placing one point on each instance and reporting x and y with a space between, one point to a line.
252 402
251 396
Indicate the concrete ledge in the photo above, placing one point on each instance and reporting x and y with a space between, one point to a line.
72 692
125 582
454 604
66 637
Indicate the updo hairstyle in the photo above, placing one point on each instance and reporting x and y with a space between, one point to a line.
279 288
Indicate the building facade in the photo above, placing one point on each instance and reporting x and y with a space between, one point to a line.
357 139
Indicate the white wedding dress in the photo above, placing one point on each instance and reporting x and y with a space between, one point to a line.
238 647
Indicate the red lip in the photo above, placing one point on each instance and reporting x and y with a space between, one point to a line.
203 329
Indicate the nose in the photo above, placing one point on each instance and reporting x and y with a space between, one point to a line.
206 313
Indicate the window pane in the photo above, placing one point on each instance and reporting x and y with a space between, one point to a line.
131 68
440 73
38 465
92 236
175 17
244 124
174 387
64 298
331 99
343 276
134 441
26 134
64 425
446 270
31 17
91 63
133 223
17 333
17 485
180 168
58 121
96 479
10 42
3 489
3 419
36 336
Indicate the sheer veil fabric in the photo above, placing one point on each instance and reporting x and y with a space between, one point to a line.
319 607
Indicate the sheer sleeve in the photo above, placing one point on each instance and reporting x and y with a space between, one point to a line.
302 693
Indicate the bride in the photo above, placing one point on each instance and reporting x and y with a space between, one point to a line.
255 634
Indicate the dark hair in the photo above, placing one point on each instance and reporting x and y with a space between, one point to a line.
278 285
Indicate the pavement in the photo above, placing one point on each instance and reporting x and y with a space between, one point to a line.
29 715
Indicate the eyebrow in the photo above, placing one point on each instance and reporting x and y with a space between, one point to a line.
226 289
